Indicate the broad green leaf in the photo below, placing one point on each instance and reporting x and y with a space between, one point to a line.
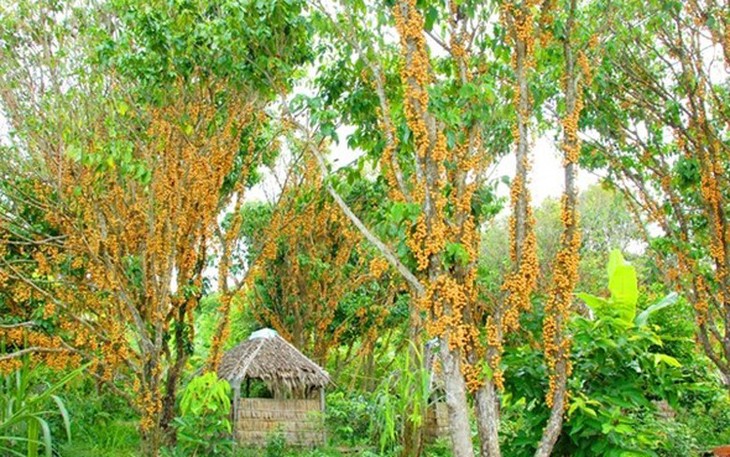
457 253
624 287
64 415
615 258
643 317
599 305
47 442
430 19
667 360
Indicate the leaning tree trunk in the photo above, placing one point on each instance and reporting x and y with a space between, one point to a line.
557 308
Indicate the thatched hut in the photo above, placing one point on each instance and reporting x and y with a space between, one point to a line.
293 382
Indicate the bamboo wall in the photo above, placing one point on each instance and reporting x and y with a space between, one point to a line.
301 422
437 421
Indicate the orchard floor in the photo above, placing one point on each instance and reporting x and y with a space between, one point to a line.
90 450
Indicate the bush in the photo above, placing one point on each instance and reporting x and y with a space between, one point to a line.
622 369
276 445
203 428
103 421
348 418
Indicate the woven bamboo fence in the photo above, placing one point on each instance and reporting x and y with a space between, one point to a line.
300 422
437 421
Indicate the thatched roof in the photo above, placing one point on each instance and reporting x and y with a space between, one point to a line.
267 356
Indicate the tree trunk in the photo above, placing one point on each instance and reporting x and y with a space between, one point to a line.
151 441
183 338
486 404
168 402
151 432
455 387
412 439
555 422
557 308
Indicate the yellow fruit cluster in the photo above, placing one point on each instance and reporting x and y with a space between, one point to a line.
378 266
522 281
386 164
701 306
711 193
571 141
151 406
51 350
494 343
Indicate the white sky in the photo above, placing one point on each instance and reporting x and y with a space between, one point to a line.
547 177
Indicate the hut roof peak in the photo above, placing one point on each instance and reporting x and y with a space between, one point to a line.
263 333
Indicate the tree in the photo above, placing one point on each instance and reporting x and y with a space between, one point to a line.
133 186
307 267
663 138
428 135
556 340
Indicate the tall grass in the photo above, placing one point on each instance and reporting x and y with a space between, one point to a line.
26 405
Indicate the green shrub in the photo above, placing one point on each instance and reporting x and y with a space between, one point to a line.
276 445
203 428
621 369
348 417
103 420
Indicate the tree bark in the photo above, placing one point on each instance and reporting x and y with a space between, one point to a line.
460 428
555 423
151 441
151 432
486 405
168 401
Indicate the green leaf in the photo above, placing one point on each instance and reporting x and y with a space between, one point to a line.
487 372
397 212
64 415
430 19
615 258
457 253
47 442
623 285
667 360
599 305
624 292
642 319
